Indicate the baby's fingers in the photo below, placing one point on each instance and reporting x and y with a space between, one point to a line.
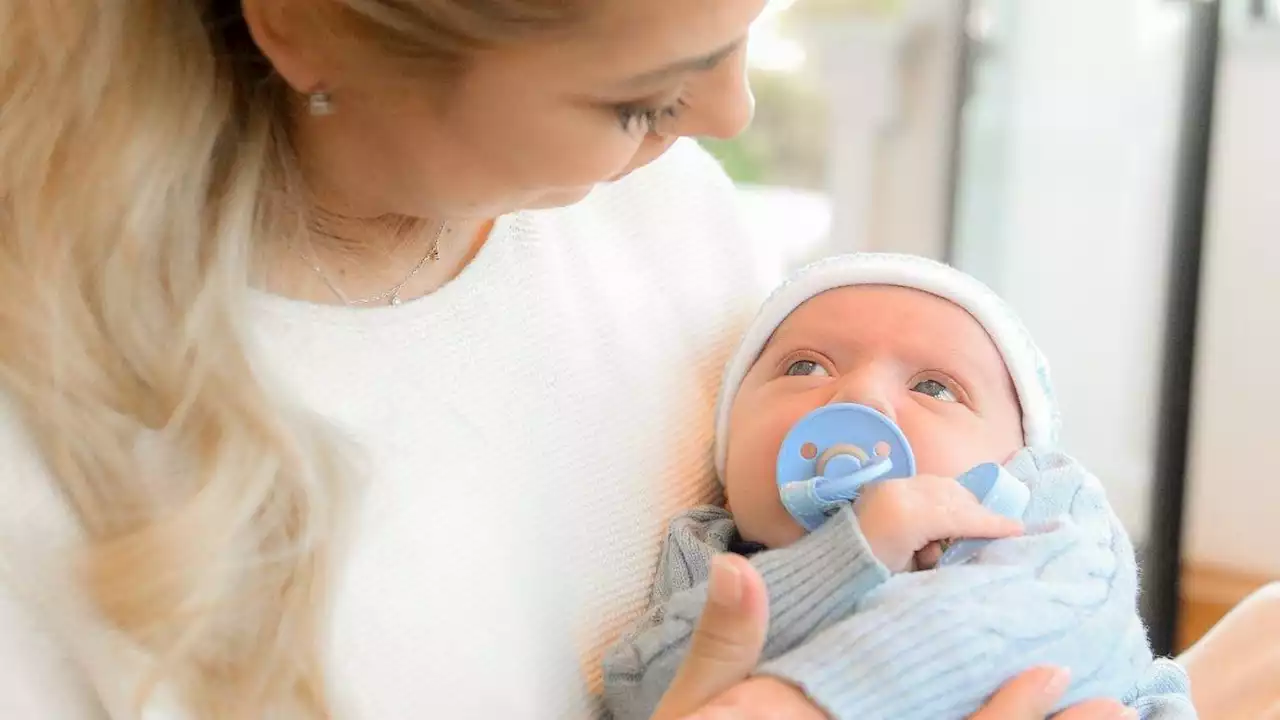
928 558
956 513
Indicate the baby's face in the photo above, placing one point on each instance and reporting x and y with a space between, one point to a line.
922 361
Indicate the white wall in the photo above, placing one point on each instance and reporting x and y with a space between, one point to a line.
1066 186
913 182
891 85
1233 501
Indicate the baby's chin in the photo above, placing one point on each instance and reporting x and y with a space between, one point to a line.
772 532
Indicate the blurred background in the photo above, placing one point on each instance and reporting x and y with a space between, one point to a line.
1112 167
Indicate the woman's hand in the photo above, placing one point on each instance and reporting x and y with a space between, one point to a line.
903 520
1235 668
1031 696
714 682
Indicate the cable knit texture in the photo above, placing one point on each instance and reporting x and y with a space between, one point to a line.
931 645
811 584
528 432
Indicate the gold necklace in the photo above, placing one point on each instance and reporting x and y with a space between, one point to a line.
390 295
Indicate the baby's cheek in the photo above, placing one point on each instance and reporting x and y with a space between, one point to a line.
761 518
951 444
949 457
757 507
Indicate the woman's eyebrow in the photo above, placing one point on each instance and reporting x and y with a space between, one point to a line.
695 64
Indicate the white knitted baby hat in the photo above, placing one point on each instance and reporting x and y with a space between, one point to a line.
1026 364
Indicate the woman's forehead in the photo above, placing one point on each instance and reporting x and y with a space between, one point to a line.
628 40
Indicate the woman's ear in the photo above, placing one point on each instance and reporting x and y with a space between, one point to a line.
286 34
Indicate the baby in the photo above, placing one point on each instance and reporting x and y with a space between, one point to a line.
862 617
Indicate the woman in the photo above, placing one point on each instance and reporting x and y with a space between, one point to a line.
1235 668
310 410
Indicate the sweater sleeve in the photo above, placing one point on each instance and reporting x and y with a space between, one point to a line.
1164 693
937 644
811 585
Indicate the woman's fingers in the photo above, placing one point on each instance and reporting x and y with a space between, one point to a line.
1030 696
1033 695
760 698
726 644
1098 710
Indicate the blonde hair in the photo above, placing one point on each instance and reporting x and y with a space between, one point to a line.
145 163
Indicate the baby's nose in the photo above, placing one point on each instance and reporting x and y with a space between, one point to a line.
864 391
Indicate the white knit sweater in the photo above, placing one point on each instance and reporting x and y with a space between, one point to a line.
529 430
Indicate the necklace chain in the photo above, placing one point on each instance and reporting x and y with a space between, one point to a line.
390 295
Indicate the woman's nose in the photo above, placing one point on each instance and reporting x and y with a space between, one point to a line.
720 103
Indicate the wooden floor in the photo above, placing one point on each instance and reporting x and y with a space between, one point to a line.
1195 619
1208 593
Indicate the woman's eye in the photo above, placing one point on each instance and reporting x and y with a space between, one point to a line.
648 118
935 390
807 368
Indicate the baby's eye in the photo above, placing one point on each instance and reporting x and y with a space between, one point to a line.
935 390
807 368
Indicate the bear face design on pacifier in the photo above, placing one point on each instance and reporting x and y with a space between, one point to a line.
831 453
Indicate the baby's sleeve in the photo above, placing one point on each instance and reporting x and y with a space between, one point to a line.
1164 693
812 584
937 644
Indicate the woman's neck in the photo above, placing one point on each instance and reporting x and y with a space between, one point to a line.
369 262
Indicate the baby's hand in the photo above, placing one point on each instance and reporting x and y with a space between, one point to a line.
901 518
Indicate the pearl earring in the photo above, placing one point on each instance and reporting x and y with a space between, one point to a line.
320 103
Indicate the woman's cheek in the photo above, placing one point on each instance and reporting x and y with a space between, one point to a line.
651 149
587 158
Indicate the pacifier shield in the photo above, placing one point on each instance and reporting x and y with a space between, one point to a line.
839 439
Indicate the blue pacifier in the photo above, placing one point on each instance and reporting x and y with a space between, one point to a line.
999 492
831 453
836 450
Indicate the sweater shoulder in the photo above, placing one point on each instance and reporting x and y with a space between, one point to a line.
41 612
683 214
38 531
34 513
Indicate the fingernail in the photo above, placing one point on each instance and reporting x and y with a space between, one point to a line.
726 583
1056 683
1127 714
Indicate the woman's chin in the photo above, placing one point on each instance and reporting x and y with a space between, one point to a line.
650 157
561 197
